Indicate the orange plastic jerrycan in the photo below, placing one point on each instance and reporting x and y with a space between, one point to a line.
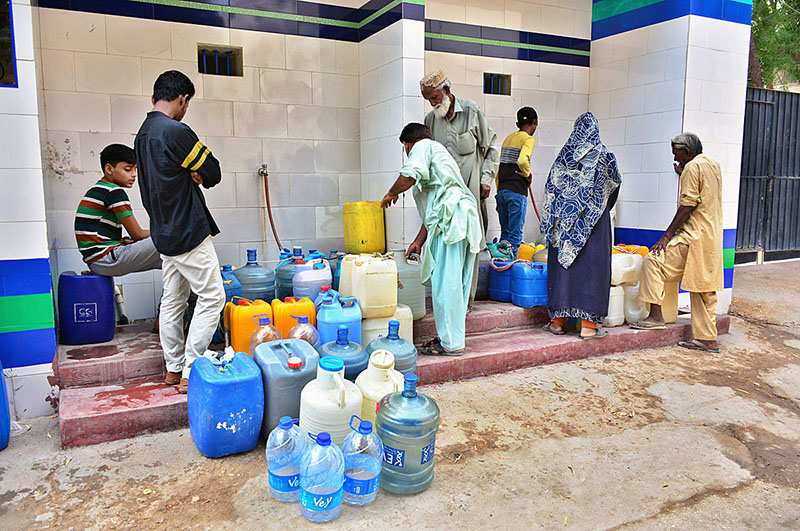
641 250
241 320
287 311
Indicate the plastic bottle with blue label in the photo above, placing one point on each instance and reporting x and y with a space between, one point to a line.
407 423
285 446
321 479
363 458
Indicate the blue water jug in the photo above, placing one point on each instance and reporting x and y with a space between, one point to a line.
233 288
285 446
354 357
325 292
334 258
225 405
363 457
499 281
334 313
5 412
286 367
407 423
404 351
85 308
321 480
284 273
258 282
529 284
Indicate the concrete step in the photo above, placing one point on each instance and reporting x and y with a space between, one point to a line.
486 316
514 349
92 415
134 353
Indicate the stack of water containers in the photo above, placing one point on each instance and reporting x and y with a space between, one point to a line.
520 282
624 304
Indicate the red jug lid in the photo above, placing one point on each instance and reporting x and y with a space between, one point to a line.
300 262
243 302
290 299
294 362
324 288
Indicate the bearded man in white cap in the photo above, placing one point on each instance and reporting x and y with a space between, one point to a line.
462 127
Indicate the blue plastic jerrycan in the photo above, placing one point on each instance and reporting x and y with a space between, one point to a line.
5 412
286 367
407 423
325 292
529 284
354 357
85 308
335 312
225 404
284 272
499 280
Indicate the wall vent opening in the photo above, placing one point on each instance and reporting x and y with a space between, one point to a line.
497 84
219 60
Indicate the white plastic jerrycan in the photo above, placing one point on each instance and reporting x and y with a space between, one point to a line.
635 309
328 402
625 268
375 285
377 326
378 380
616 307
346 275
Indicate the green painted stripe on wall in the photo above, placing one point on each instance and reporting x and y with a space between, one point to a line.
20 313
283 16
728 256
525 46
609 8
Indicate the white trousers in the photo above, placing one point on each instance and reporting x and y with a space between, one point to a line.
197 271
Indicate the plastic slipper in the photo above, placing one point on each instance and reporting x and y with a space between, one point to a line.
547 328
644 325
431 342
436 349
697 345
598 335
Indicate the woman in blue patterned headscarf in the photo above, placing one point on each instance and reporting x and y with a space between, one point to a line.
581 189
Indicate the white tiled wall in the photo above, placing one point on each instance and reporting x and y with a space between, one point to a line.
571 18
296 108
637 86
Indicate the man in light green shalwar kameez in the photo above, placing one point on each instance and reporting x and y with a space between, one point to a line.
450 234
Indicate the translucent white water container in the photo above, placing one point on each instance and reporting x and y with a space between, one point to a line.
635 309
616 307
375 285
625 268
378 380
378 326
328 402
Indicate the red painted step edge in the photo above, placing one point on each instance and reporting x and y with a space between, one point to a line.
93 415
507 351
486 316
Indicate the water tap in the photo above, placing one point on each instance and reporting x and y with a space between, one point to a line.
263 170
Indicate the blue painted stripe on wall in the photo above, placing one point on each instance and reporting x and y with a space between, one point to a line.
24 277
728 277
32 347
729 10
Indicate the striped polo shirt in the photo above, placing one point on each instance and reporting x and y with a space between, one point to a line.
98 227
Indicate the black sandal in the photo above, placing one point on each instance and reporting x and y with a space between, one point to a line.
547 328
435 348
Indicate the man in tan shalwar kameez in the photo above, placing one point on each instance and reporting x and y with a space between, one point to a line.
690 250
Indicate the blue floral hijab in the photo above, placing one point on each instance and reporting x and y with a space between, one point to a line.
582 179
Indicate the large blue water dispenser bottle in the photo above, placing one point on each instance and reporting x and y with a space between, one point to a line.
407 423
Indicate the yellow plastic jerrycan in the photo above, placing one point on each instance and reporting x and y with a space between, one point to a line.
364 229
239 321
630 249
378 380
287 311
527 250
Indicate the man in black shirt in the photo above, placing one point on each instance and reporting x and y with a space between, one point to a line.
172 165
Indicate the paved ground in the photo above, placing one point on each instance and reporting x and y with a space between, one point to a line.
653 439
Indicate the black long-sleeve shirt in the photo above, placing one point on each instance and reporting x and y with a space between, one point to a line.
167 151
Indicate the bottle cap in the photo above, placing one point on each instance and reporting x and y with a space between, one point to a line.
252 255
243 302
341 335
227 267
301 261
327 300
323 289
303 319
290 299
411 378
294 363
365 428
382 359
263 321
324 439
286 422
331 364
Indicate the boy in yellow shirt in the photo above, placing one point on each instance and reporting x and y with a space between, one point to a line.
514 176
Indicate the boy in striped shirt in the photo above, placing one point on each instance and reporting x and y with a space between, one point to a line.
104 211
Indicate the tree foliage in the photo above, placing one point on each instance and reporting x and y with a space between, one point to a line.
776 33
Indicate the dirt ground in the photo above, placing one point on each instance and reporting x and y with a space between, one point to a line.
652 439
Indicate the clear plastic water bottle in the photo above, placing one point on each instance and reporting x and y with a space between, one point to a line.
265 332
363 455
321 480
305 331
285 446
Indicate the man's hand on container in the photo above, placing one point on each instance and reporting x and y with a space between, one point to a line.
388 200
